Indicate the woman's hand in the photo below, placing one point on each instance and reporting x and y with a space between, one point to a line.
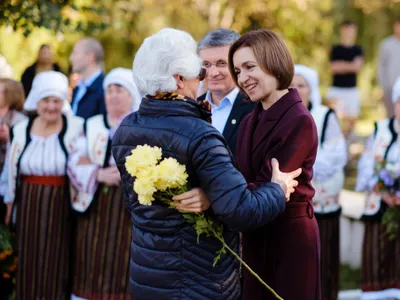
194 201
285 180
4 133
390 199
110 176
8 212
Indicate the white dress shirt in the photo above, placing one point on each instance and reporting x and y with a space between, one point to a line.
221 112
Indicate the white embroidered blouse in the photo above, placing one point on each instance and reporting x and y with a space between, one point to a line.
42 157
332 156
366 163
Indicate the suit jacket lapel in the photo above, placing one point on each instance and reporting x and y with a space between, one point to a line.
96 84
234 117
74 92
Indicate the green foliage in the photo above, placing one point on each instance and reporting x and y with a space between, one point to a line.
391 219
8 255
207 225
5 239
309 27
55 15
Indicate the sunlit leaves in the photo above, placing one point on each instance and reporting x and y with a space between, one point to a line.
55 15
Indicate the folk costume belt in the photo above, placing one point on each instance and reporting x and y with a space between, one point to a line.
45 180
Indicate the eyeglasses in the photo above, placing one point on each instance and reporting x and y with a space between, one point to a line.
218 64
202 73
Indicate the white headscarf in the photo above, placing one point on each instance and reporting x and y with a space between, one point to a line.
46 84
6 70
312 79
124 78
396 91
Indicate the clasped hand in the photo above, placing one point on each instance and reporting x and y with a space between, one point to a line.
196 200
390 199
286 180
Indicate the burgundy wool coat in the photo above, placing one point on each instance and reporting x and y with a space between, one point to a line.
286 252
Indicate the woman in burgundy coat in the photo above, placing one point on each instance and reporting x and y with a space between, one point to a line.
286 252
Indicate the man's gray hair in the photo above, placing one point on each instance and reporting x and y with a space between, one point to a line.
218 38
91 45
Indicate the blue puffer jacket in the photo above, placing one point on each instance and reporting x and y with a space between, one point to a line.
166 261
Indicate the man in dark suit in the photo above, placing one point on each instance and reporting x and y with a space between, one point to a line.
87 60
228 104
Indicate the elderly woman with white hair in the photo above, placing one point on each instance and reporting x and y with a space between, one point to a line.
380 268
328 177
167 262
103 231
39 190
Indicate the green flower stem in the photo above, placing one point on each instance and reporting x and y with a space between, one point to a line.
246 265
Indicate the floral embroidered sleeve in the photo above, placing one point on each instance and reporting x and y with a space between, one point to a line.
81 171
4 182
365 167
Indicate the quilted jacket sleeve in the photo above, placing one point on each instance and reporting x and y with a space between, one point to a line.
232 202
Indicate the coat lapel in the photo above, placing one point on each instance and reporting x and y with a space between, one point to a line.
269 119
235 116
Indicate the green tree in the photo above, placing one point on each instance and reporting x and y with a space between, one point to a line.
55 15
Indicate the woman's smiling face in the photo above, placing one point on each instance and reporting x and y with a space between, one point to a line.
257 84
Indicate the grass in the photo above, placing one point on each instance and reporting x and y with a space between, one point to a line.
349 279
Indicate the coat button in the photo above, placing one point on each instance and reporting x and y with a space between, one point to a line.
233 121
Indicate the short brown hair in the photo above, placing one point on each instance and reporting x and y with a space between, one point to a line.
271 54
13 94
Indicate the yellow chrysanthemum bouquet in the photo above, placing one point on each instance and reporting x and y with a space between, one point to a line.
161 179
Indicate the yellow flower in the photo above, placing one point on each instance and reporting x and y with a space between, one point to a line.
171 174
144 187
142 158
151 174
146 199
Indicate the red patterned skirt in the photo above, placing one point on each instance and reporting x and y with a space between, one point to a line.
330 259
43 233
102 248
380 268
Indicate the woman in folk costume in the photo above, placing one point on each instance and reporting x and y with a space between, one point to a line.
11 103
103 236
328 177
12 100
39 189
381 257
